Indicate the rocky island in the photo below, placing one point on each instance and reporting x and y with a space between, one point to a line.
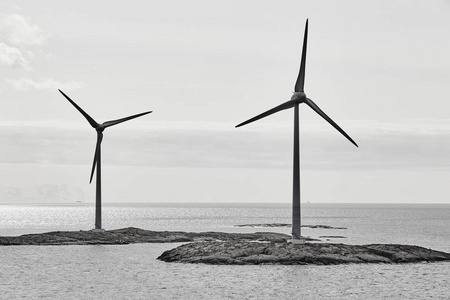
252 253
132 235
236 248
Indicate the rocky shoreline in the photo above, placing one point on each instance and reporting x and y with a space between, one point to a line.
254 253
133 235
236 248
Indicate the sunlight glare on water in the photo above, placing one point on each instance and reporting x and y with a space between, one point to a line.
133 272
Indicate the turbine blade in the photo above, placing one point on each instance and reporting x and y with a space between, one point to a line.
90 120
114 122
97 153
299 85
286 105
311 104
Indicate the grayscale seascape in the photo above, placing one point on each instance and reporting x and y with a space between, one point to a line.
266 149
133 272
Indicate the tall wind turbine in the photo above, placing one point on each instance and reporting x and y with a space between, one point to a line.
97 156
297 98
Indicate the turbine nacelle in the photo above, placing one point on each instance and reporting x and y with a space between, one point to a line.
100 128
298 97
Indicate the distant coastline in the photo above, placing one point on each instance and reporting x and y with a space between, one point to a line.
226 204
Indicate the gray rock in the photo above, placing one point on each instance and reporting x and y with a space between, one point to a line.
133 235
245 252
273 225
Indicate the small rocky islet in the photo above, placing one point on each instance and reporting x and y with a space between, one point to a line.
132 235
221 248
256 253
277 225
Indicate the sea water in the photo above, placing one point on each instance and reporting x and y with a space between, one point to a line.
133 272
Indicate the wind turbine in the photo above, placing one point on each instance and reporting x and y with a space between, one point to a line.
297 98
97 156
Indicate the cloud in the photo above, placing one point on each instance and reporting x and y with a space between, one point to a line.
18 39
12 57
418 144
25 84
19 32
219 145
21 39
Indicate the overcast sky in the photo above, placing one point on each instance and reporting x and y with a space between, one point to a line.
380 69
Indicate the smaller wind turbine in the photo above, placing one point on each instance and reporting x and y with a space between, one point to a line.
97 156
298 97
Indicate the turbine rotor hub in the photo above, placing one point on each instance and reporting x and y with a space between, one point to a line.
299 97
100 128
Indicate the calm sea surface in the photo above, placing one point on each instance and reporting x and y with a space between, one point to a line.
132 271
